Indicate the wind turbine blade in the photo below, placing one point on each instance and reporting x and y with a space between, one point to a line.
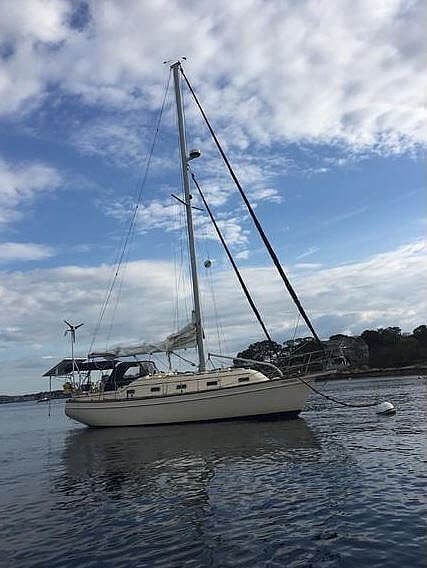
79 325
68 323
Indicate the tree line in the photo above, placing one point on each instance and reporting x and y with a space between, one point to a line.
390 347
373 348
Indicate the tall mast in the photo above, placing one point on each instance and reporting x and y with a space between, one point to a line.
176 68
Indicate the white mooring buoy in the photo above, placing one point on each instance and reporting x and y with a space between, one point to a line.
386 408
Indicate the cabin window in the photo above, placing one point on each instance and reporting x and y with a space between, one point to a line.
132 373
243 379
155 389
130 393
211 383
181 387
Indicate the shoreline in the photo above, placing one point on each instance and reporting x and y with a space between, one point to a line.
410 370
43 396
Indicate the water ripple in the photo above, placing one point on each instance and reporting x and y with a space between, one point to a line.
335 488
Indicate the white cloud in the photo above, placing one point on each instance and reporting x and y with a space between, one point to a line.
168 215
243 255
308 265
10 334
331 71
119 139
107 138
310 251
20 184
345 216
387 289
24 251
159 215
233 232
29 31
155 214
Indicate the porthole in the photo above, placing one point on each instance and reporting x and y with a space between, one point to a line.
243 379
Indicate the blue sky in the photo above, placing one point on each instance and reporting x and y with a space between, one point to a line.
321 107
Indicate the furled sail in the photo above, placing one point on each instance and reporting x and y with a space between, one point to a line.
185 337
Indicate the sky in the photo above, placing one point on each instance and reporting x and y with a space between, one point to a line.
321 107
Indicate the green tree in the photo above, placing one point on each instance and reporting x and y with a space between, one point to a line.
371 337
391 335
261 351
420 334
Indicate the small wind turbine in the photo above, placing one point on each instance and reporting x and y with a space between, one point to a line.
72 331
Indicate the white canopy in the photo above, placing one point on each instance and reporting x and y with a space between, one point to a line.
185 337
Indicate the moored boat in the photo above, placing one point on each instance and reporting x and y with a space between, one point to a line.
135 393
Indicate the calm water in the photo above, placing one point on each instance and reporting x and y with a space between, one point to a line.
335 488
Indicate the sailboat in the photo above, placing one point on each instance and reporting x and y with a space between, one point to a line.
136 393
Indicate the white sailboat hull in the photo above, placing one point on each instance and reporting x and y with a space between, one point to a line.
277 396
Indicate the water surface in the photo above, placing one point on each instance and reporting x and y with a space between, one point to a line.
337 487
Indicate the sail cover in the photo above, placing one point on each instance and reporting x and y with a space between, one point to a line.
185 337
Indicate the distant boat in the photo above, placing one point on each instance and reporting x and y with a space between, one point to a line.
137 393
44 399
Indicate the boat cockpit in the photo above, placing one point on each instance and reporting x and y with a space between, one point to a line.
125 372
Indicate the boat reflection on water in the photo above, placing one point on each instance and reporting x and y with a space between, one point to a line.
129 459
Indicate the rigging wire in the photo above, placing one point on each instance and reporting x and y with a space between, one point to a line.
292 350
261 232
185 273
218 325
231 259
184 359
182 284
178 257
121 280
210 292
175 270
131 226
130 233
116 303
271 252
